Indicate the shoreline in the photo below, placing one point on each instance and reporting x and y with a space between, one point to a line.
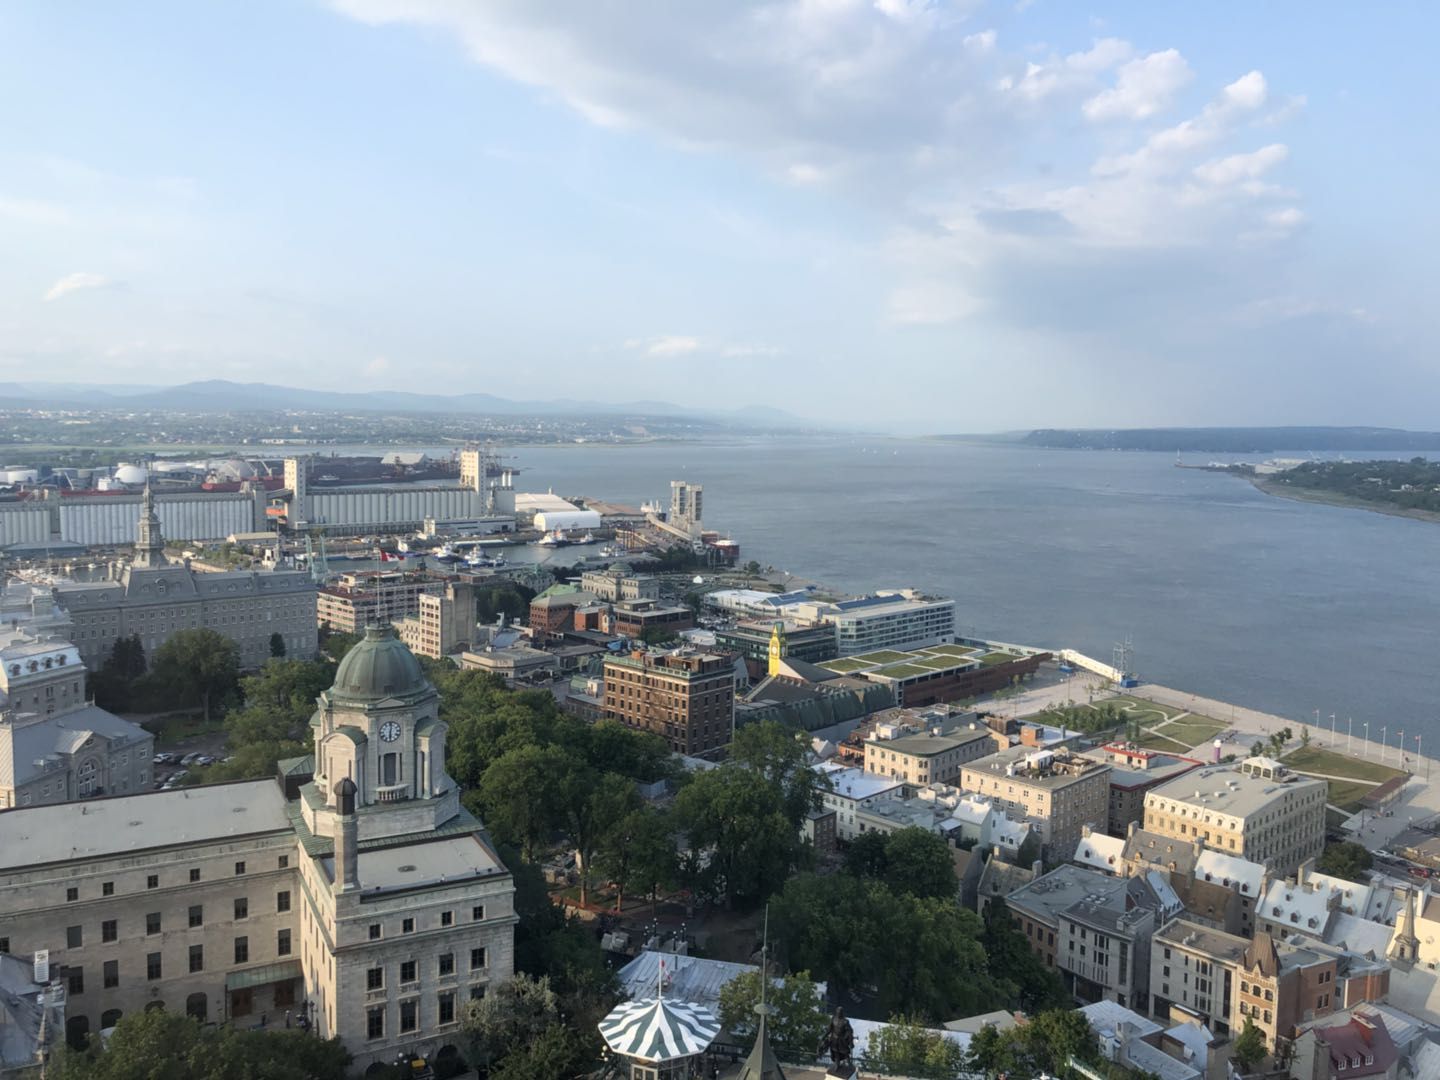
1325 498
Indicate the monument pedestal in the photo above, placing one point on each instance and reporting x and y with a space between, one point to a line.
842 1072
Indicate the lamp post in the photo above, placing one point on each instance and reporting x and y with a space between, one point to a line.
1332 730
1349 732
1384 734
1366 750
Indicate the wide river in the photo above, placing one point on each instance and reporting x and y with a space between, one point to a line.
1221 590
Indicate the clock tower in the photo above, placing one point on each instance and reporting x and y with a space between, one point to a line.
379 727
777 648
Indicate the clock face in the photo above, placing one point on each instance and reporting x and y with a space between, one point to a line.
389 731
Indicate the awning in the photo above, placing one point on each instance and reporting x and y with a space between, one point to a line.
263 975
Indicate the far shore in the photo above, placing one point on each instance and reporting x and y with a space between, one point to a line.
1329 498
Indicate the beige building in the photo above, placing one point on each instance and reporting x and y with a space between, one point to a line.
444 621
1259 811
358 600
1058 791
373 906
927 757
154 599
616 585
685 697
54 745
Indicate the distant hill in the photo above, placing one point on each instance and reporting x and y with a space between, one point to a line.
1236 440
219 395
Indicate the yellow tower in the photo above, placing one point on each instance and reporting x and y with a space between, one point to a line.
777 648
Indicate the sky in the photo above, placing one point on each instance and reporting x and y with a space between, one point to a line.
927 215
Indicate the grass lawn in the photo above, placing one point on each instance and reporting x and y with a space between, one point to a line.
175 728
1348 793
1151 741
883 656
994 658
903 671
1314 760
845 666
1148 712
953 650
1192 731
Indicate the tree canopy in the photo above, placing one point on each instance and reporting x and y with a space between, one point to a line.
1044 1044
198 666
1249 1049
911 860
907 1046
798 1017
1347 860
162 1044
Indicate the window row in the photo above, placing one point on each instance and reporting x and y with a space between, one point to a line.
152 881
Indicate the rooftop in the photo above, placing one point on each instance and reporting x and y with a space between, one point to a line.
1101 852
1132 767
1202 939
1229 790
1047 896
1037 768
447 861
121 825
926 744
852 783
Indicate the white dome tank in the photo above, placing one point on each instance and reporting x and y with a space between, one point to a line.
132 475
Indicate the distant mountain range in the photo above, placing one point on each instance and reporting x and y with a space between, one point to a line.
1234 440
221 396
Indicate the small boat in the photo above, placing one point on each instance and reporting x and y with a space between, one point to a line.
556 538
588 538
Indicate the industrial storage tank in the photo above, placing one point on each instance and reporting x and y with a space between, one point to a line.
15 474
132 475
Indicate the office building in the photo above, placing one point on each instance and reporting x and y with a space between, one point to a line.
443 623
153 599
55 746
1058 791
616 585
371 907
935 754
632 618
367 597
1259 811
851 791
1133 773
895 619
759 643
686 697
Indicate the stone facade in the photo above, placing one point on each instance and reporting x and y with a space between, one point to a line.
372 907
154 599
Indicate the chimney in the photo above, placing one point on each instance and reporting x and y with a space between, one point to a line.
1302 873
1037 868
347 855
1130 829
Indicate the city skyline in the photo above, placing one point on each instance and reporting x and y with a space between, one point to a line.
1081 217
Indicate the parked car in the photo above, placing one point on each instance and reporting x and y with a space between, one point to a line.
190 759
162 759
204 759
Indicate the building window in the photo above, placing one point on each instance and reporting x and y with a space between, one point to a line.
477 959
477 913
71 894
152 923
374 931
197 958
242 1002
407 971
284 862
74 937
282 900
407 926
409 1015
111 974
152 881
375 978
375 1022
152 966
197 915
108 930
240 868
242 950
477 993
447 918
282 943
447 963
107 888
447 1007
76 977
242 907
194 873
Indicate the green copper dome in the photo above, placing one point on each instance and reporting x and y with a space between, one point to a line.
380 666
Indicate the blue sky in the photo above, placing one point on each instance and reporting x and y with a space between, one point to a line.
932 216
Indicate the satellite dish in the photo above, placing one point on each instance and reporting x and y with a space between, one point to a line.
698 580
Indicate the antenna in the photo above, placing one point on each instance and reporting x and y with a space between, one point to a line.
764 960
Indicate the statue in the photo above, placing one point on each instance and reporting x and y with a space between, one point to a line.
838 1040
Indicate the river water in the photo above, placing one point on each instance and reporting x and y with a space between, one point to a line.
1223 591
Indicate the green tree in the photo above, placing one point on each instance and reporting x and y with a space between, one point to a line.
592 805
782 756
1045 1044
114 684
520 799
511 1016
919 862
197 666
798 1016
1249 1049
739 819
752 568
658 635
865 857
277 644
907 1046
1347 860
169 1046
1021 980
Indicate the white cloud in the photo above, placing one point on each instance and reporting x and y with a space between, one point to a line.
805 175
377 367
929 303
984 41
1075 73
1238 167
667 345
74 283
1143 87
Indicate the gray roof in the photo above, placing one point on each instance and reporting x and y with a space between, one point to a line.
694 979
172 584
1151 847
96 828
21 1008
1047 896
32 745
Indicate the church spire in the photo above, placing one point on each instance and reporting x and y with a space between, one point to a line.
150 544
762 1063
